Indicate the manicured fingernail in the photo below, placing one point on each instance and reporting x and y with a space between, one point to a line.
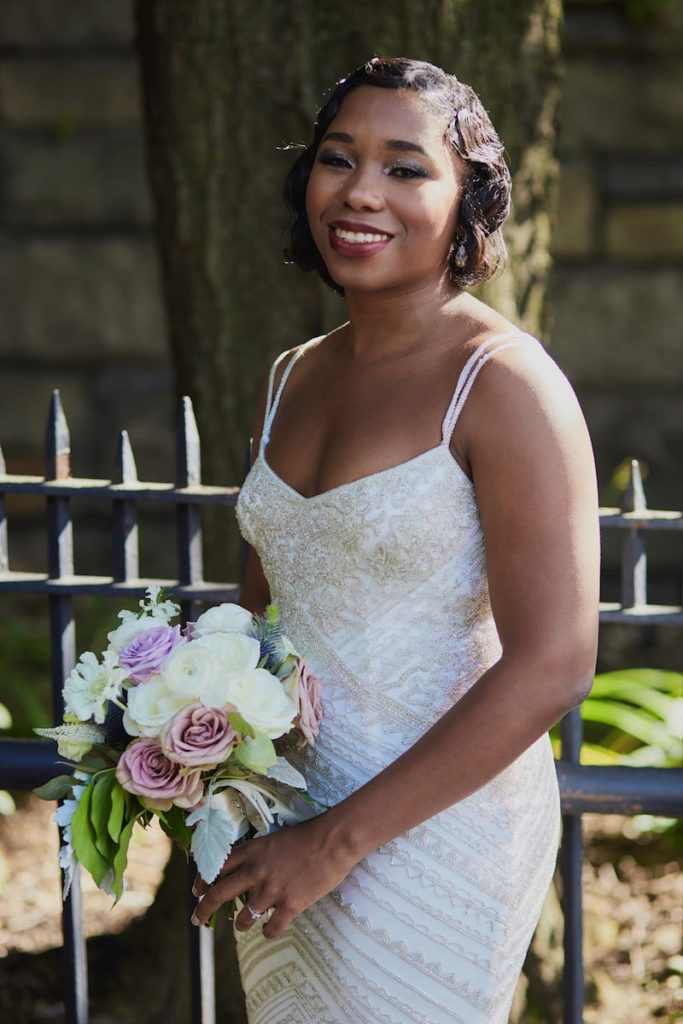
194 919
195 890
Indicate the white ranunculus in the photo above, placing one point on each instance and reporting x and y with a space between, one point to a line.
130 628
191 670
234 655
150 706
259 698
225 618
91 685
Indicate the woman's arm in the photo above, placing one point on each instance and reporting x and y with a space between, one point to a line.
535 481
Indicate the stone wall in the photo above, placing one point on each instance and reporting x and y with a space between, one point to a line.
79 291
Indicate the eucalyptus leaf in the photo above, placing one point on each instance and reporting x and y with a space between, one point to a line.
256 752
56 788
240 725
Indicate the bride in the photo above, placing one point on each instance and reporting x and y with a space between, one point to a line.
428 525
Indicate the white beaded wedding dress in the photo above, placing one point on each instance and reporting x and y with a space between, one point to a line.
381 583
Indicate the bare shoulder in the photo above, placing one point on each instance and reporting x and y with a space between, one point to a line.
525 420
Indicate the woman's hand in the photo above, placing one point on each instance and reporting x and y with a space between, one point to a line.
288 870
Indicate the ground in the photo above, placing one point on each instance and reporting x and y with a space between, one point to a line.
633 895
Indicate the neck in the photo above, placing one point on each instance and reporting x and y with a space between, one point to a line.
386 323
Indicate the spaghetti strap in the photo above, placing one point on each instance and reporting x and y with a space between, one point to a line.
469 373
272 403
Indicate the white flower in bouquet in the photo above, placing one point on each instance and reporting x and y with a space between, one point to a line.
150 706
91 685
233 655
130 628
153 613
225 618
190 670
260 699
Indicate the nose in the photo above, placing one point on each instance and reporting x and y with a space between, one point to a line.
363 190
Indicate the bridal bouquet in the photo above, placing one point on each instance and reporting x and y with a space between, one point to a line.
187 725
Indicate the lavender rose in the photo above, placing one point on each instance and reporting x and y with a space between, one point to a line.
198 736
145 655
305 690
145 770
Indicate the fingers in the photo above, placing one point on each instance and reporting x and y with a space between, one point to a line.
280 919
220 892
231 863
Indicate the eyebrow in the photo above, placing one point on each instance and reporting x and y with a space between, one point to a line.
401 144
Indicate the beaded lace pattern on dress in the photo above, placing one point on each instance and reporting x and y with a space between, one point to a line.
382 583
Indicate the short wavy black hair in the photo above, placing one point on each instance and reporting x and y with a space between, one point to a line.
486 200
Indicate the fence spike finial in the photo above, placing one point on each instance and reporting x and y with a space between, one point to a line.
188 447
633 499
126 469
57 441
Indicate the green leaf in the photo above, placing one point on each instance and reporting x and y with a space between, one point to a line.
256 752
173 824
240 725
118 805
83 838
629 690
100 809
121 859
56 788
652 678
630 720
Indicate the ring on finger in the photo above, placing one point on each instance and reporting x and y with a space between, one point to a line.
254 914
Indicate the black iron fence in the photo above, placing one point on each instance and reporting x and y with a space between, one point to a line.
25 764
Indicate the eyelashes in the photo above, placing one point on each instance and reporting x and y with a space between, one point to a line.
400 170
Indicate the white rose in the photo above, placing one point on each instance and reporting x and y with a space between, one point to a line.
150 706
225 618
190 670
259 698
129 629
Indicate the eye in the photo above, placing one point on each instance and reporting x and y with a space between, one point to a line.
408 171
334 159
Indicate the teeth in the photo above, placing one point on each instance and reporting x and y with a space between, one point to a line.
359 236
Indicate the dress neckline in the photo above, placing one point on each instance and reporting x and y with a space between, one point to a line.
349 484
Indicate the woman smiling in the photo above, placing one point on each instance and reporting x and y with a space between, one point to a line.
422 505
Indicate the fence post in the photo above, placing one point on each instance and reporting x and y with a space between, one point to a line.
633 556
125 537
4 541
571 864
191 570
63 657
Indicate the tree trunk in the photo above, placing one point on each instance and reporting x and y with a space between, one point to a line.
227 86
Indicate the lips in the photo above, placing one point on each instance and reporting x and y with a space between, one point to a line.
355 239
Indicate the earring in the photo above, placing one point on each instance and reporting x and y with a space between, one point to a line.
461 255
